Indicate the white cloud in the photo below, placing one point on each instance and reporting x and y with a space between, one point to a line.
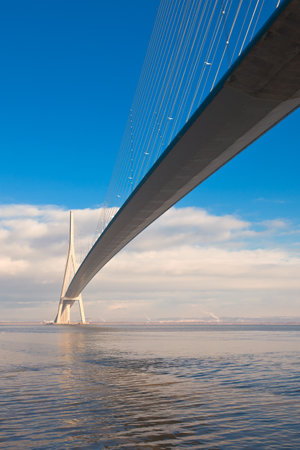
189 263
9 266
191 226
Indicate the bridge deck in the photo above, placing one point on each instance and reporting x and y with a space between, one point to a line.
260 90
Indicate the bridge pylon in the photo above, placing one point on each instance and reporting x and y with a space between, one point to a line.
65 303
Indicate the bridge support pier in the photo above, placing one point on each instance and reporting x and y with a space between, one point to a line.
63 315
64 307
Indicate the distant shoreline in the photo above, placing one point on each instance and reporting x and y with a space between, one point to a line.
165 323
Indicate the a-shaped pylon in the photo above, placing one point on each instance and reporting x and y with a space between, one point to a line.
65 303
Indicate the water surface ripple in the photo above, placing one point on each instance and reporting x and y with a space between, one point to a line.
212 387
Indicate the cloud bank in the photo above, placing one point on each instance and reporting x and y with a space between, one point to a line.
189 264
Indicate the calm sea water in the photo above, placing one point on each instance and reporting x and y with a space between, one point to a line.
212 387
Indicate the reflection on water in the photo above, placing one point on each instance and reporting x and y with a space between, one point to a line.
149 387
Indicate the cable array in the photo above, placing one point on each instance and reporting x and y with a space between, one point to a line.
192 45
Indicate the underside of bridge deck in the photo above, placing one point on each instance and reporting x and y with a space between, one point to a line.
260 89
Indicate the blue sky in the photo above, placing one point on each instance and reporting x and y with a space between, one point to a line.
69 73
68 77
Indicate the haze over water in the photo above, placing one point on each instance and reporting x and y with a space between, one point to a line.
195 386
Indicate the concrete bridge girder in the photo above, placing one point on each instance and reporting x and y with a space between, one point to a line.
260 89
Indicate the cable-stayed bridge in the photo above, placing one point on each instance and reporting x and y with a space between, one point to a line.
249 88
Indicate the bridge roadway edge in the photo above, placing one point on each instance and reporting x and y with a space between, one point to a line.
259 90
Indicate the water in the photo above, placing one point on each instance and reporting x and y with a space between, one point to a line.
212 387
